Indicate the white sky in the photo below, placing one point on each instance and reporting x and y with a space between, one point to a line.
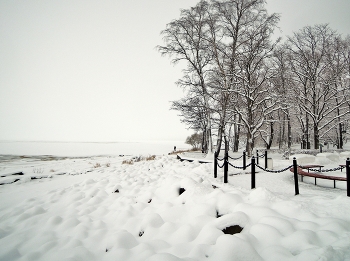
88 70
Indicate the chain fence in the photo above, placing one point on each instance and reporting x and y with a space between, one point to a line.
254 164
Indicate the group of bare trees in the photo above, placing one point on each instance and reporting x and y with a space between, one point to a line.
240 83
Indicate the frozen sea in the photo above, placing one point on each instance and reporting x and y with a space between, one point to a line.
89 148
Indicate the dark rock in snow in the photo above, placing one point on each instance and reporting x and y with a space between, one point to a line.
232 230
181 190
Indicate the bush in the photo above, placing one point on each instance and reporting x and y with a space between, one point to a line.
97 165
138 159
195 140
129 162
153 157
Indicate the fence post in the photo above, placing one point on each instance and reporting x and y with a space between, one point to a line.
253 173
257 157
215 165
296 184
265 159
348 177
225 167
244 160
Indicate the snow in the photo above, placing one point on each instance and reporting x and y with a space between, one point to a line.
165 209
303 159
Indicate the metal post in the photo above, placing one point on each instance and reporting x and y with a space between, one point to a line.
244 160
253 173
226 167
257 157
296 184
348 177
215 165
265 159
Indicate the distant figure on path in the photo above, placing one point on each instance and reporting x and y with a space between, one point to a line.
174 148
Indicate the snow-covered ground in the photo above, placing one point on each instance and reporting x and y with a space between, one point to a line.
96 208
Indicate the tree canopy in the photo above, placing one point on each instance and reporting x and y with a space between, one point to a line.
239 82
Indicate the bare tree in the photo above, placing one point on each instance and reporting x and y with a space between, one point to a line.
240 32
282 85
337 76
194 140
238 80
185 41
315 92
193 114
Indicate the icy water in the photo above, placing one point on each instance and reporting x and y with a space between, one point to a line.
88 148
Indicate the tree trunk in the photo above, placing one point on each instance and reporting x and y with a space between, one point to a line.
249 145
316 137
289 130
340 142
204 140
236 138
237 129
268 145
340 137
307 133
280 139
219 141
209 149
284 130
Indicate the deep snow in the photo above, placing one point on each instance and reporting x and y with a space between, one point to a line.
100 209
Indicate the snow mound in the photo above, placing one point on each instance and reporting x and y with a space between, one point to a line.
327 158
303 159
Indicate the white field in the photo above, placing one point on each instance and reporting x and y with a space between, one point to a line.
100 209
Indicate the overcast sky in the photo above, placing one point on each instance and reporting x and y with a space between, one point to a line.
86 70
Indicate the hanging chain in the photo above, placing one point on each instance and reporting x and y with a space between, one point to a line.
268 170
326 170
237 167
221 165
235 158
274 171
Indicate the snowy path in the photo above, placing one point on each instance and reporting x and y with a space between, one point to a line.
135 212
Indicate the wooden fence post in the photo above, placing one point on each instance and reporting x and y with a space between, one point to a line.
296 184
225 167
253 173
265 159
257 157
